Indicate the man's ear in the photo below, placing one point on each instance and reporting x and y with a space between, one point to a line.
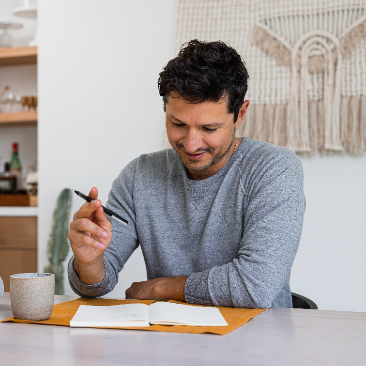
242 112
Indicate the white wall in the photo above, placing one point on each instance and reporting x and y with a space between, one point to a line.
99 104
330 264
100 108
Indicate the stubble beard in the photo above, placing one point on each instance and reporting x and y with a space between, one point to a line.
216 158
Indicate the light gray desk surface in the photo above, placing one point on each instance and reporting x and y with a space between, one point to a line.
276 337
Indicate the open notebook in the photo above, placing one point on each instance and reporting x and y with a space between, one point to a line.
141 315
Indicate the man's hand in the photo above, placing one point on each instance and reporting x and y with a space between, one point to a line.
90 234
163 288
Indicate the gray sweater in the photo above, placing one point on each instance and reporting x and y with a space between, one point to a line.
234 234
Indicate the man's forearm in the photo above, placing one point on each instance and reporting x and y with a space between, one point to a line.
90 273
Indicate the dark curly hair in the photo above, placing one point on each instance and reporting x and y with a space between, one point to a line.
206 71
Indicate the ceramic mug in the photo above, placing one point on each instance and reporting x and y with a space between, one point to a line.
1 288
32 295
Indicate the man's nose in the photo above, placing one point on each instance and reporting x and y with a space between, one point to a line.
193 141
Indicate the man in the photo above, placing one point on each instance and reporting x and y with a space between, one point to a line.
218 218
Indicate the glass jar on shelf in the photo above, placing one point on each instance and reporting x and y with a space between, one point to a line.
17 104
10 102
5 39
4 100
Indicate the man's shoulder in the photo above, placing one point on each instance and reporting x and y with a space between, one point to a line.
262 163
259 153
147 169
155 163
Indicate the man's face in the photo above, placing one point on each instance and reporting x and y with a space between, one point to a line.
203 134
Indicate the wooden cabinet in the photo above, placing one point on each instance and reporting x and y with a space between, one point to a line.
18 246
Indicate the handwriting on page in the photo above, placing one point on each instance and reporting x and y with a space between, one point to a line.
121 317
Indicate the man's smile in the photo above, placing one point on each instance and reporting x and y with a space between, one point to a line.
195 156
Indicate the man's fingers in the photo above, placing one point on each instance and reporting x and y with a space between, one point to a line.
89 241
93 193
129 294
85 225
87 209
102 219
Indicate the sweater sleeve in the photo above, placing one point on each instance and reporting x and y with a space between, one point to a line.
273 219
124 237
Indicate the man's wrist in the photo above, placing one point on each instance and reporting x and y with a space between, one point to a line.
90 273
175 288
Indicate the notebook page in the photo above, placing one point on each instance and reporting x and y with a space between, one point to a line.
129 315
177 314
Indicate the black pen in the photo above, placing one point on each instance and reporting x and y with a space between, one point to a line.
106 210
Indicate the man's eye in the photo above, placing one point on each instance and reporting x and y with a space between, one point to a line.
178 124
209 129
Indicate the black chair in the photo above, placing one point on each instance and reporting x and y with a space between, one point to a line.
302 302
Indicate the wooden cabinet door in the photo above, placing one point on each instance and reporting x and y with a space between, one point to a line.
18 247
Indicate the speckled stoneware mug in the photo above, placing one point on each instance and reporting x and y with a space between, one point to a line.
32 295
1 288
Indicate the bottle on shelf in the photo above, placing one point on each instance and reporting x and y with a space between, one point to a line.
15 165
6 169
8 182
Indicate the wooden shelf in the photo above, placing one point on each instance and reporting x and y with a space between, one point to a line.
18 200
18 56
18 119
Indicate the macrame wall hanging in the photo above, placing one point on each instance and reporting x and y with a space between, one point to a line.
307 65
